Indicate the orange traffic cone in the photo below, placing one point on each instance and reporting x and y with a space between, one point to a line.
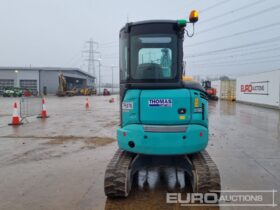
87 104
44 110
15 118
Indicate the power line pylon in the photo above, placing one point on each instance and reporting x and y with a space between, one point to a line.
92 46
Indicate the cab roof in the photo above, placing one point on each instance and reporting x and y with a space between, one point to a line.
145 22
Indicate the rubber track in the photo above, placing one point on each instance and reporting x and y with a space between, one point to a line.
207 173
117 176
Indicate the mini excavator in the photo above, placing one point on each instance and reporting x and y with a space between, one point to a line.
161 114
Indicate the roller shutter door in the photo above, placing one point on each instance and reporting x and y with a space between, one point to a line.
29 84
6 83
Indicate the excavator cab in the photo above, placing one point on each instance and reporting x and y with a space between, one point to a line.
161 115
211 92
157 105
151 54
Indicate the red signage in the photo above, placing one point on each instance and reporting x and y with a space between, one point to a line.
246 88
259 88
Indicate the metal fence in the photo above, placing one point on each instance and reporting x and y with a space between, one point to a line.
30 106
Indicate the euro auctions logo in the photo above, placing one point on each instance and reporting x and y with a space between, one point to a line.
246 88
241 198
258 88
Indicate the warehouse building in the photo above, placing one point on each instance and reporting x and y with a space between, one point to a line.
43 80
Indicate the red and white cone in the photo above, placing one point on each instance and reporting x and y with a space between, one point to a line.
44 110
87 103
15 118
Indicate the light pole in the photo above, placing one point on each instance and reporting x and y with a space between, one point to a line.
16 80
113 77
99 77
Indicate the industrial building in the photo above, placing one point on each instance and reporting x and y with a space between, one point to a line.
43 80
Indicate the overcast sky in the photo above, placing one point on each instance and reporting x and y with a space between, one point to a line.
233 36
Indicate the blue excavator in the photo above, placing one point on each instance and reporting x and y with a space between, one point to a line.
162 116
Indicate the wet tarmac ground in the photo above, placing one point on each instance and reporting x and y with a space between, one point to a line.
59 163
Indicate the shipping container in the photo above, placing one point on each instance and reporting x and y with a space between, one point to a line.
261 88
228 90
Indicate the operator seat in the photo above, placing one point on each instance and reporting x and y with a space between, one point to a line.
149 71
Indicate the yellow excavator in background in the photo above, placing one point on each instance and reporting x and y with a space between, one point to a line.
87 91
62 87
